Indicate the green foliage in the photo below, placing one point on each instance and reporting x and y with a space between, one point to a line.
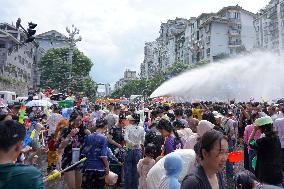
220 56
55 72
146 87
176 69
241 49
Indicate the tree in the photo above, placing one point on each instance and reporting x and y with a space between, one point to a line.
55 72
176 69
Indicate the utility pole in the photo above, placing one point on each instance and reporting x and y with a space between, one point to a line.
72 40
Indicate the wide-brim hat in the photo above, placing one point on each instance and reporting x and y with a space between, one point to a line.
263 121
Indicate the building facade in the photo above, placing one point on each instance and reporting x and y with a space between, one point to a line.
269 26
51 40
227 32
18 61
128 76
202 39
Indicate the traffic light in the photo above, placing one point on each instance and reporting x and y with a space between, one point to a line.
31 32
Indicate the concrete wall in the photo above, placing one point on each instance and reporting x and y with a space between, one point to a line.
248 34
219 39
46 44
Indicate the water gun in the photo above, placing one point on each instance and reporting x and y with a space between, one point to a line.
29 139
22 113
46 111
57 173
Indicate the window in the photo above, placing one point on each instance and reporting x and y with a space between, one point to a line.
2 45
208 52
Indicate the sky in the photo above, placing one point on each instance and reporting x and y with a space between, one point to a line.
114 31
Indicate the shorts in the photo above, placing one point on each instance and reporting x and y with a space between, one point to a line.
93 179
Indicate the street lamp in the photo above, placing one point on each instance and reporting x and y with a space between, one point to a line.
72 40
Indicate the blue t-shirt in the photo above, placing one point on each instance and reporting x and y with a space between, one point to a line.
94 148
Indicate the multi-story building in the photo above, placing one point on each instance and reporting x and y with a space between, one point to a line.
205 38
128 76
229 31
149 67
269 26
52 39
18 60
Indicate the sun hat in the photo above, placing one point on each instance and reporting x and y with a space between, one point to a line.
263 121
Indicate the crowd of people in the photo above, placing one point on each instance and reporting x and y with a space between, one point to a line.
117 145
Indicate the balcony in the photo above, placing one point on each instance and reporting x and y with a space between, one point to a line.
234 43
234 32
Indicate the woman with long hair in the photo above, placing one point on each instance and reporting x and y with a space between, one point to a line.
72 139
172 139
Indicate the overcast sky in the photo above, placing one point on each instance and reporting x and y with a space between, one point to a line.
113 31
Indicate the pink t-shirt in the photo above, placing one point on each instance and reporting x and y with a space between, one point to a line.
247 133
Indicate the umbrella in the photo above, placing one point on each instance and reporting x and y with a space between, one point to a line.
3 104
39 103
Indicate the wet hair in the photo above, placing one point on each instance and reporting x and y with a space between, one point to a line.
167 126
166 108
10 133
97 107
178 123
209 116
178 112
3 116
188 112
171 116
208 141
268 128
101 123
150 150
244 180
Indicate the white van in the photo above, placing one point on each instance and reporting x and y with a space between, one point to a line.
8 96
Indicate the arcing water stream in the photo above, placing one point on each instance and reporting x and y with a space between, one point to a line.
258 75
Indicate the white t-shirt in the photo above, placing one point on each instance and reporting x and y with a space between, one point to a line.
52 122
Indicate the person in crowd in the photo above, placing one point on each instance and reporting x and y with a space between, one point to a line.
71 141
145 164
96 166
15 175
113 117
188 138
179 117
247 180
202 128
268 150
192 122
173 166
279 126
53 120
172 139
214 154
134 138
247 134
